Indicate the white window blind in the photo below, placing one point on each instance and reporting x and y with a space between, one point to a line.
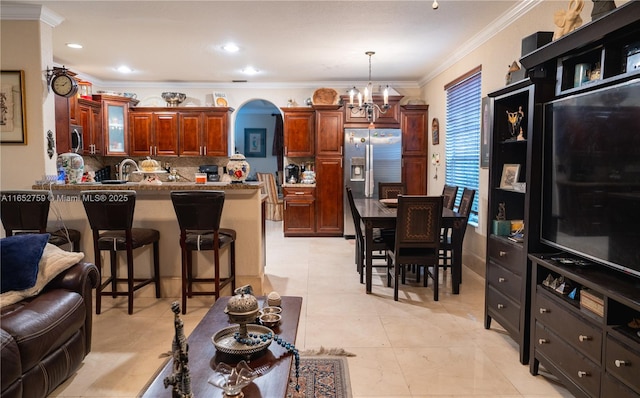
462 152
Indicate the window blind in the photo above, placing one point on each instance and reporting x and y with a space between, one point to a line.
462 152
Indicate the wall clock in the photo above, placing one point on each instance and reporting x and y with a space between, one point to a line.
64 85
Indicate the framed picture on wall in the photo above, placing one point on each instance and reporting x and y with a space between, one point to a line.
255 143
13 121
435 131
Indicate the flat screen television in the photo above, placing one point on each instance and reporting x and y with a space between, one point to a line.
591 176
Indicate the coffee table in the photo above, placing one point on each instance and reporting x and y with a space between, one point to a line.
274 365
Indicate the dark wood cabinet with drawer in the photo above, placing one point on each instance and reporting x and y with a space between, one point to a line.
504 281
503 309
507 254
623 363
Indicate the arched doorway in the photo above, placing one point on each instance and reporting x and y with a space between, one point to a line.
251 118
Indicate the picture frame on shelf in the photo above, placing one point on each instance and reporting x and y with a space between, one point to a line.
255 143
13 120
510 174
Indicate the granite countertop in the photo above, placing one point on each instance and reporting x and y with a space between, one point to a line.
166 186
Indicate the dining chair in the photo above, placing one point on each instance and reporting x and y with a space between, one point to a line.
417 240
449 192
390 190
378 243
27 211
446 246
275 205
110 215
199 214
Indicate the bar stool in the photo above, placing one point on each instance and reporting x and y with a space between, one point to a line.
110 215
27 211
199 214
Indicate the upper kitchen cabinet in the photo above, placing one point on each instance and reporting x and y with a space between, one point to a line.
329 130
204 133
89 117
153 133
115 115
299 132
354 118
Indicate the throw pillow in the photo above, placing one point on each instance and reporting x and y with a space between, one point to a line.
54 260
20 255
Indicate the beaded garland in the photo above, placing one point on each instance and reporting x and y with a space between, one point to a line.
254 339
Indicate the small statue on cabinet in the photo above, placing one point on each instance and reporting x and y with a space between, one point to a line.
502 212
180 379
515 120
568 20
514 67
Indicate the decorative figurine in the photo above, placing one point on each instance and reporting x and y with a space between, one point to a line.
515 119
568 20
502 212
180 379
514 67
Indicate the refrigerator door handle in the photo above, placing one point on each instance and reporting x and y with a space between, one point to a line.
371 177
366 171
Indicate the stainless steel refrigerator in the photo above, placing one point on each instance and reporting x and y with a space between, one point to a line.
371 156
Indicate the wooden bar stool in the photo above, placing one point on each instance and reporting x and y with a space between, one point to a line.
199 214
110 215
27 211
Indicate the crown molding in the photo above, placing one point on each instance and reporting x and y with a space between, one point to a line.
502 22
29 12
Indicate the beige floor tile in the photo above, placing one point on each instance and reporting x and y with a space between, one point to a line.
414 347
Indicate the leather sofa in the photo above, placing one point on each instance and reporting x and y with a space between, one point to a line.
43 339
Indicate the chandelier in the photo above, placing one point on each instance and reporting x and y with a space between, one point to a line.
365 103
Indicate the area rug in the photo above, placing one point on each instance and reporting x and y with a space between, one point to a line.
320 377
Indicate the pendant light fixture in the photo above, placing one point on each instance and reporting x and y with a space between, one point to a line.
365 102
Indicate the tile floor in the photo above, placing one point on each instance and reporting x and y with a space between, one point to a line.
412 348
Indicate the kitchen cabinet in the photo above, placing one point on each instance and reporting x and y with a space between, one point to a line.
63 122
203 133
329 196
354 118
115 123
299 132
414 126
299 211
329 131
89 116
215 135
153 133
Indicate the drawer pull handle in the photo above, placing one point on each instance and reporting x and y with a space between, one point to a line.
542 341
582 373
502 254
501 280
299 193
620 363
582 337
544 311
500 306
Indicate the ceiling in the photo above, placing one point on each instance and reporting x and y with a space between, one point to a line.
289 42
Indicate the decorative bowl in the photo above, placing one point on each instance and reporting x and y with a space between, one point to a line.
173 99
270 319
271 310
232 380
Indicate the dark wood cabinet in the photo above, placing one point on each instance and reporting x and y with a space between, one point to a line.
329 196
215 135
507 294
115 123
590 348
415 130
299 132
354 118
329 132
299 211
191 126
63 129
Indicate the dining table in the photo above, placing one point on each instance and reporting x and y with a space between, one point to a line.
380 213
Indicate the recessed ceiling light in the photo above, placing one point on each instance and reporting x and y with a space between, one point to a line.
231 48
124 69
74 45
250 70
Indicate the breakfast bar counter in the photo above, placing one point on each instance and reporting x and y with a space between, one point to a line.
243 211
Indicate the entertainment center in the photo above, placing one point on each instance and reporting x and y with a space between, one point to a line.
565 167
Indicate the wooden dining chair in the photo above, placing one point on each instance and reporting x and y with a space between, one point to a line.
417 240
446 246
390 190
275 205
449 193
378 243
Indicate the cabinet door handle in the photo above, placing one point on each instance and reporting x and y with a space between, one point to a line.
620 363
502 254
155 150
583 337
151 150
544 311
582 373
205 150
285 150
500 306
501 280
543 341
